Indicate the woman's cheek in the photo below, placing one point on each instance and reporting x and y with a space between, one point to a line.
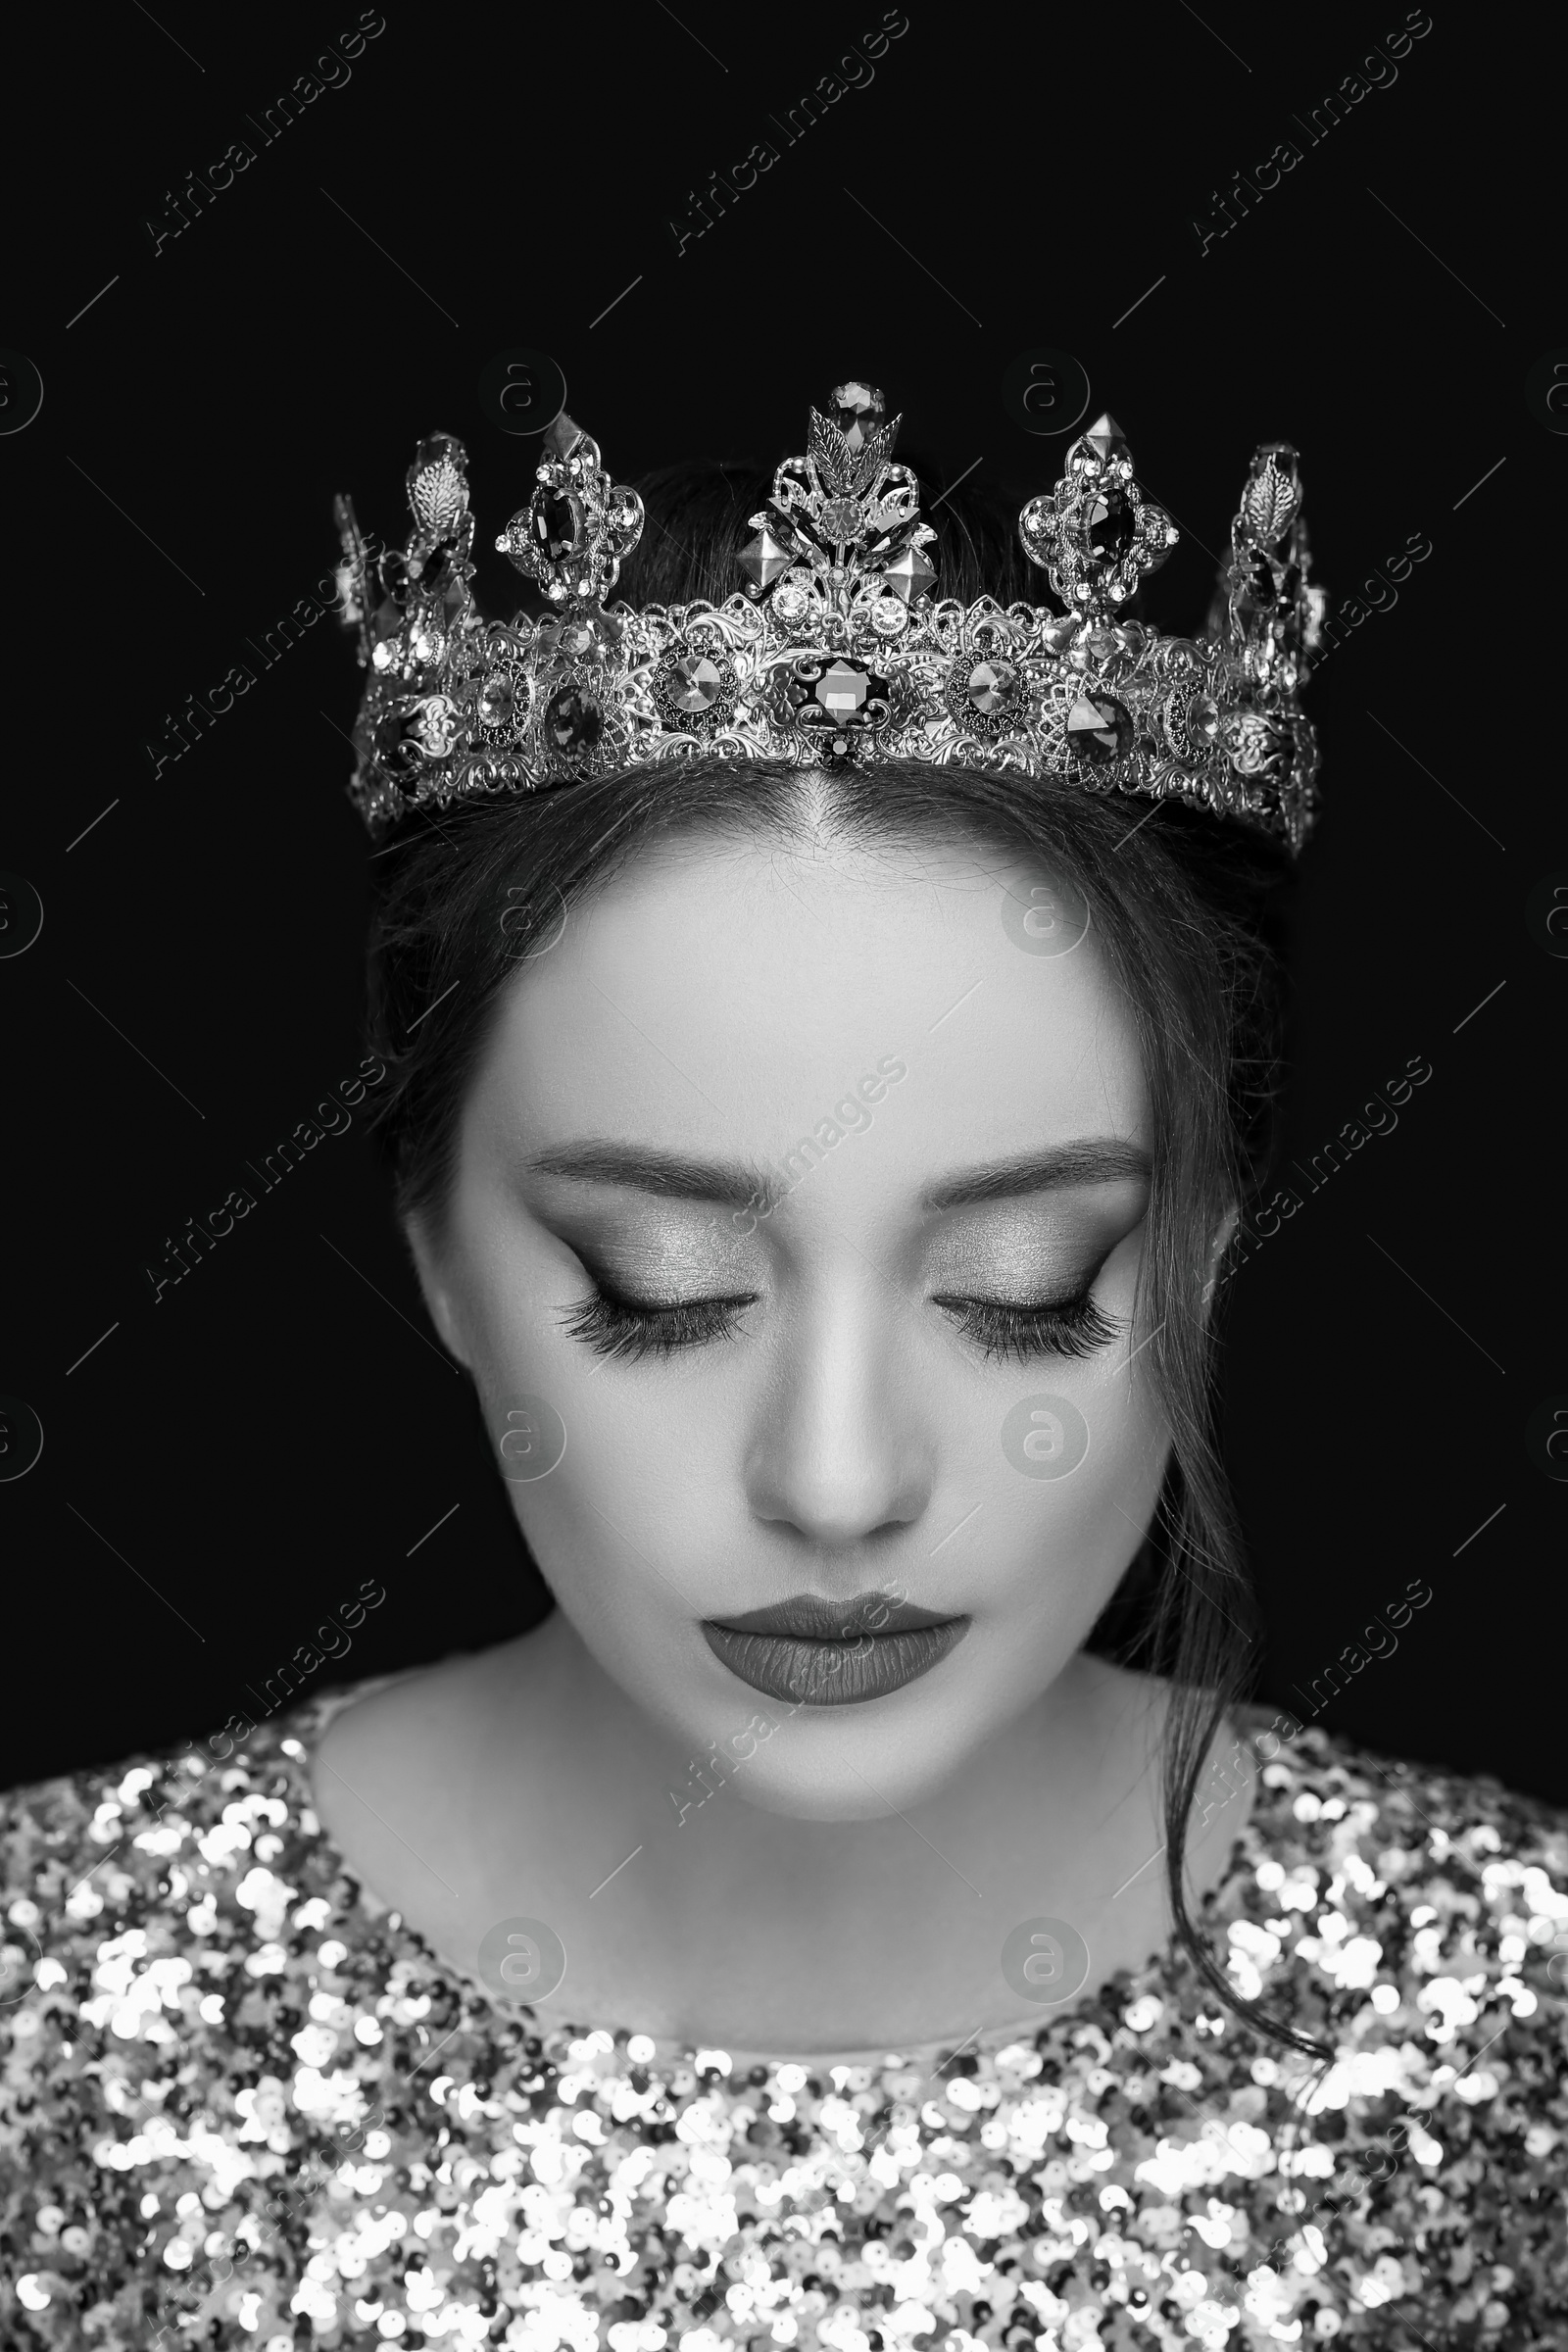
1069 1462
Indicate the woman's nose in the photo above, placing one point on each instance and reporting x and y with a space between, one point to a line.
841 1451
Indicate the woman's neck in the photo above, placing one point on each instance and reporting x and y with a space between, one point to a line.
743 1928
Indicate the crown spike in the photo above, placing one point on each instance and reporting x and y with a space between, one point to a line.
438 485
1097 536
578 527
1105 437
561 436
1274 616
353 574
1271 498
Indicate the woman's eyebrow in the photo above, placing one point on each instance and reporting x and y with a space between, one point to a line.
1089 1160
645 1168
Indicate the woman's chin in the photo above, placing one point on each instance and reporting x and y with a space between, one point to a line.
820 1781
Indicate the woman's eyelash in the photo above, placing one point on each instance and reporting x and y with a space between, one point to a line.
1073 1327
630 1329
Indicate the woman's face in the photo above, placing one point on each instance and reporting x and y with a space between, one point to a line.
793 1248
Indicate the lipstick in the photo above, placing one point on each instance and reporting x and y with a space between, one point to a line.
833 1653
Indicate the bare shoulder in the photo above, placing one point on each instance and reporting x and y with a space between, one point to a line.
408 1787
384 1759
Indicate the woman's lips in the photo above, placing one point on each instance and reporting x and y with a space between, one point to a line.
827 1653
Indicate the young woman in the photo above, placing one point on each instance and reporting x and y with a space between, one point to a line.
831 1036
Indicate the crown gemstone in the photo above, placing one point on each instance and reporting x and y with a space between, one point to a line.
395 740
435 449
624 515
841 520
697 683
842 690
993 686
573 720
1098 729
859 409
764 559
1253 590
909 576
1106 438
556 523
1104 527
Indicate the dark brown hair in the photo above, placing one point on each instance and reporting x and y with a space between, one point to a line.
1186 910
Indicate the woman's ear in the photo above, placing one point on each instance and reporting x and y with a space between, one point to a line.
440 1297
1220 1241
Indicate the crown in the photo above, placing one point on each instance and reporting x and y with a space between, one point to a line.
836 651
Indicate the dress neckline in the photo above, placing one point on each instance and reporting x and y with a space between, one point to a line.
300 1731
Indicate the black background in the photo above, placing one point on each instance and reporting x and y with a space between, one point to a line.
237 1459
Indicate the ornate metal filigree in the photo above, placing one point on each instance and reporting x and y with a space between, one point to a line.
836 650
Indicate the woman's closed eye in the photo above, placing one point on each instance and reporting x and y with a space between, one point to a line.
614 1324
1007 1330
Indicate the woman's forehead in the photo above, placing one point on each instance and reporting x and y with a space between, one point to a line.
737 989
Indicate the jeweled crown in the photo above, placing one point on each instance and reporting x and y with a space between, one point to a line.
836 650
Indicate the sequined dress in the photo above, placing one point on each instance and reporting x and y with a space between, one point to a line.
244 2105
